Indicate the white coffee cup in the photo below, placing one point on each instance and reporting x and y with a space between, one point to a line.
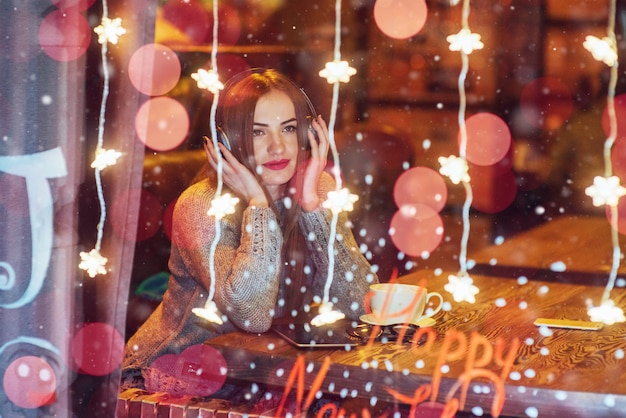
398 303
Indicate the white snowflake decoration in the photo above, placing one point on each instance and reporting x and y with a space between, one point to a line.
93 262
462 288
605 191
327 315
208 80
337 71
607 313
602 49
455 168
223 205
105 158
465 41
340 200
209 312
109 30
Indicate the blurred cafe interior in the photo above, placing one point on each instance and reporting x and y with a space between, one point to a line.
533 109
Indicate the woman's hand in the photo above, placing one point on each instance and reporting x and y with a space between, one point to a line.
236 175
309 199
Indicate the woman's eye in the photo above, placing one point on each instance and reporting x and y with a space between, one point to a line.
291 128
257 132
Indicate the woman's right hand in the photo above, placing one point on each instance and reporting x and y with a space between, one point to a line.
236 175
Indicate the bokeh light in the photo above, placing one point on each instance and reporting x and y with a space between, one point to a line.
488 138
148 222
162 123
618 156
494 190
621 213
30 382
154 69
64 35
620 116
400 19
416 229
190 17
421 185
546 103
97 349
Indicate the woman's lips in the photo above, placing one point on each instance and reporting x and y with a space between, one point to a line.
277 165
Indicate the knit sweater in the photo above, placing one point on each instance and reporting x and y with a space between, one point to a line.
250 289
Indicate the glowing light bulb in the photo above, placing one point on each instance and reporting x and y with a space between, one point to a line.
327 315
340 200
465 41
105 158
209 312
223 205
607 313
603 49
93 263
337 71
455 168
605 191
109 30
462 288
208 80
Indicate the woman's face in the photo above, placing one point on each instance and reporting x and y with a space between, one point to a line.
275 140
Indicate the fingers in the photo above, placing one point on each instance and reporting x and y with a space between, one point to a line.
320 146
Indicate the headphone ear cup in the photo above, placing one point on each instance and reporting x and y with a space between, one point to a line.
222 138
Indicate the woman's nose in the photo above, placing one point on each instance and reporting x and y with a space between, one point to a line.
276 145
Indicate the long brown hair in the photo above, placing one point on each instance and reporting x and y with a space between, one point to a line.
235 116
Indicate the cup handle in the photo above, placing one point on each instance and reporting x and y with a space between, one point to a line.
436 310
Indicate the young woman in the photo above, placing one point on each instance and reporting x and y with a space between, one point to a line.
272 255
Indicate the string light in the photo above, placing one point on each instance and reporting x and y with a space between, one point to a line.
109 30
335 72
221 205
456 168
607 190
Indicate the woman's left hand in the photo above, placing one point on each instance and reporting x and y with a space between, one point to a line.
310 200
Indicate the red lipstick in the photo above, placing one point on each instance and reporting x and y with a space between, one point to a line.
277 164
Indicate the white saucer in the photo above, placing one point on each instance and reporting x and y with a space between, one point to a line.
371 319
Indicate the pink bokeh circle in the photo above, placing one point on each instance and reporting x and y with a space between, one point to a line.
421 185
30 382
149 220
64 35
620 116
97 349
546 103
493 190
618 156
162 123
488 138
400 19
154 69
416 229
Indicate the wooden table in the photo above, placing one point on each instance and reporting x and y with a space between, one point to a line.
552 374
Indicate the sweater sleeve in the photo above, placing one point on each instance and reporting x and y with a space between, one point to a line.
247 256
352 273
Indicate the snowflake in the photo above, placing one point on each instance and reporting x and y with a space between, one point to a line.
605 191
209 312
607 313
455 168
462 288
105 158
109 30
602 49
337 71
93 263
465 41
208 80
327 315
223 205
340 200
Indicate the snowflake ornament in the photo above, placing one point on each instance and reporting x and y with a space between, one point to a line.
455 168
462 288
223 205
209 312
603 50
606 313
327 315
208 80
340 200
605 191
105 158
337 71
465 41
109 30
93 263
